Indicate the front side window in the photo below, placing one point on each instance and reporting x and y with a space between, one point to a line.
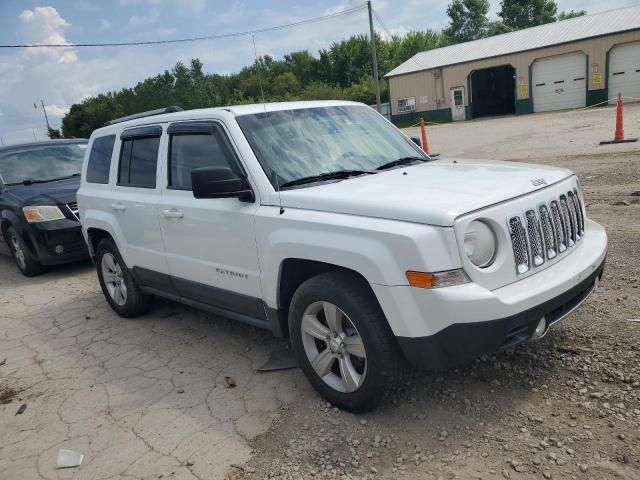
38 164
139 162
194 150
293 144
99 164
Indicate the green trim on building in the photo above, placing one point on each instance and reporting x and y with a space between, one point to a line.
523 106
596 96
439 115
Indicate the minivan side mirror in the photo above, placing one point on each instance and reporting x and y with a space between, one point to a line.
416 140
220 182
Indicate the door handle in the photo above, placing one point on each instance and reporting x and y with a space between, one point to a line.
118 207
173 213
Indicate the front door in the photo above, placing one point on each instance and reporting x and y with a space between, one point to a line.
457 104
210 243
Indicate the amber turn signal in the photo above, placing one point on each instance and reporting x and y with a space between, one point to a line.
420 279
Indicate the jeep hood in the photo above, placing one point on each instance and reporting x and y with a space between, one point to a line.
434 193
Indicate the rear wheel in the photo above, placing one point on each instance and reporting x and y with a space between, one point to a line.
343 342
26 265
118 285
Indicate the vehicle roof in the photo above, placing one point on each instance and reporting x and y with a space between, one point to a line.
16 147
237 110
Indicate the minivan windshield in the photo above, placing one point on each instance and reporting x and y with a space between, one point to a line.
42 163
308 142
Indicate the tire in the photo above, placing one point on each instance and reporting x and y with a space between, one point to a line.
350 381
19 252
118 285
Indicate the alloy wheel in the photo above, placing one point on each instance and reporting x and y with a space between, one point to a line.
113 278
334 347
18 252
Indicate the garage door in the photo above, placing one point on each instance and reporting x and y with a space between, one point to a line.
624 71
559 82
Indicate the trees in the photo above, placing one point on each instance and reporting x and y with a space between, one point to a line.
518 14
468 20
571 14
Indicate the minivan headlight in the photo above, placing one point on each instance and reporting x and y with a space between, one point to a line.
480 244
42 213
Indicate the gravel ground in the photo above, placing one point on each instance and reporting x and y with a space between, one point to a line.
148 399
567 406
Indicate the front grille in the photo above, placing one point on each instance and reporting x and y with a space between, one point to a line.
543 234
73 208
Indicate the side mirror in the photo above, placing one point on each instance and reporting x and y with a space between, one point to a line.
417 141
220 182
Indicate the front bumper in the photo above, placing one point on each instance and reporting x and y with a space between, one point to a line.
449 326
47 238
462 342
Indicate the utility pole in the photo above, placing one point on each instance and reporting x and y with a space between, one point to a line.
46 119
374 56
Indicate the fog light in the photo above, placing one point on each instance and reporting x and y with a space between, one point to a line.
541 328
59 249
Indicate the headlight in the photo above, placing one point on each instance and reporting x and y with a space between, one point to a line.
480 244
42 213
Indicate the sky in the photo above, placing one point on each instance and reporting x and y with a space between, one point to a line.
63 76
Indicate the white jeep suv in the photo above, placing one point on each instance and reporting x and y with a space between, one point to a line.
324 223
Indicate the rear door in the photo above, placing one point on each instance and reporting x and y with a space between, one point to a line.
210 243
134 204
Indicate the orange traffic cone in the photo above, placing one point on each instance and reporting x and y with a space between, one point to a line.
423 133
619 134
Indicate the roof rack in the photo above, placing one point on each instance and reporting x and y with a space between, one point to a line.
149 113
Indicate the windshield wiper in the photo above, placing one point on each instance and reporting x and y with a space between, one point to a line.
402 161
28 181
339 174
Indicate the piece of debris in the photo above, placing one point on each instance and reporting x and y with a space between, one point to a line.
4 360
69 458
229 382
636 193
181 390
281 359
7 394
239 467
636 320
188 464
22 408
621 203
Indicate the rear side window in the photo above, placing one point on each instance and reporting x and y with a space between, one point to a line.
139 162
99 164
194 150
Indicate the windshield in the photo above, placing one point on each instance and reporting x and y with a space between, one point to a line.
306 142
41 163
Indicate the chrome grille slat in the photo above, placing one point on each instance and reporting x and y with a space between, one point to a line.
73 208
546 232
519 242
560 226
566 215
576 200
535 238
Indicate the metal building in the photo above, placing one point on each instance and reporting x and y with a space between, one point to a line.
569 64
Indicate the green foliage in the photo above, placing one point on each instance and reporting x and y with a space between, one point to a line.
53 133
517 14
343 71
468 20
571 14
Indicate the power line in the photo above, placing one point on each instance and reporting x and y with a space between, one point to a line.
381 23
193 39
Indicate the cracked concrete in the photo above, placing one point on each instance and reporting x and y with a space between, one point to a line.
109 387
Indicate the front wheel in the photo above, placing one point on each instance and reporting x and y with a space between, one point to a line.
343 342
118 285
27 266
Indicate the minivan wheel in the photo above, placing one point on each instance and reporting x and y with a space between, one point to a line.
118 285
27 267
343 343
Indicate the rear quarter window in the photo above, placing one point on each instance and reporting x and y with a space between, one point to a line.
99 164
